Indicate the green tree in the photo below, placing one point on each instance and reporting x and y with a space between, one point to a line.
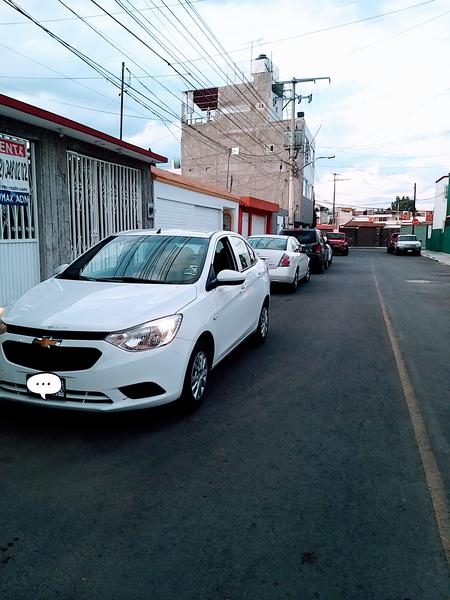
403 203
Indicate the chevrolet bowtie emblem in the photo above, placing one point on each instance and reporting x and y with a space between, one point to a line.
46 342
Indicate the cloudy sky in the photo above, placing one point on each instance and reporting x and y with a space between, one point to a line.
385 114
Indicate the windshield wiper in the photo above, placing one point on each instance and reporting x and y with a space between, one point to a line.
76 277
129 280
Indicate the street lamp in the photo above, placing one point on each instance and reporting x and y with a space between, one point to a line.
317 158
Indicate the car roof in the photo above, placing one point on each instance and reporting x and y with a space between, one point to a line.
174 232
267 235
297 229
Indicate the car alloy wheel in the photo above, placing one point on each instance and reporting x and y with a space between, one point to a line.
195 381
199 375
260 335
307 276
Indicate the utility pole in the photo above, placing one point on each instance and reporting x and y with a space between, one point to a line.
335 175
414 209
334 197
292 146
292 164
121 100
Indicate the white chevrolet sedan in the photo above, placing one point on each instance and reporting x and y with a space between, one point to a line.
138 320
283 255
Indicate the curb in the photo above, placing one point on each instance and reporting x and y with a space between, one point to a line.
437 259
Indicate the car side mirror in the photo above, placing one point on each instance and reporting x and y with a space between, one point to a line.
230 277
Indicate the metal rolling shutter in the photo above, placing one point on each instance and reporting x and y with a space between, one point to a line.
207 219
181 215
258 224
170 214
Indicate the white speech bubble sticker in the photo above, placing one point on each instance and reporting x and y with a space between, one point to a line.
44 383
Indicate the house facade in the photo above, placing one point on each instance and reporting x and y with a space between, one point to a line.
77 185
184 203
439 237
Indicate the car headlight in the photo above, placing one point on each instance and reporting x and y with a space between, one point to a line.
3 328
153 334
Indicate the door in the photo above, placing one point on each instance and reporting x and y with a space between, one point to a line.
183 215
228 319
19 248
104 198
252 291
245 222
207 219
258 224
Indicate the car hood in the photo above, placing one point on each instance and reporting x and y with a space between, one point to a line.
64 304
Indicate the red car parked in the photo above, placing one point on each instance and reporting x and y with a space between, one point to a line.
391 242
338 242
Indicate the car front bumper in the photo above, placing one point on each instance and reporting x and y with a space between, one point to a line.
97 388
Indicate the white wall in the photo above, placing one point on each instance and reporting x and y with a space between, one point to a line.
167 191
440 204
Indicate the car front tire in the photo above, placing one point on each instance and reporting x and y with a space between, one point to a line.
196 379
260 335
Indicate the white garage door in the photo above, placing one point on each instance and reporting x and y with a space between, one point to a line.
180 215
258 224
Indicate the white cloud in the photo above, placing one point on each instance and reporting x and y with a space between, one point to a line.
388 84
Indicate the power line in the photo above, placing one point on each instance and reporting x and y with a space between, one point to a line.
168 63
330 28
74 19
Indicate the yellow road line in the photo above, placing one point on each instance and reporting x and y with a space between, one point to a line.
430 467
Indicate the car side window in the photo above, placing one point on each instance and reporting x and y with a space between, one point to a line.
253 257
223 257
241 250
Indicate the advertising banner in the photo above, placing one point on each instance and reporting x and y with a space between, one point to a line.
14 173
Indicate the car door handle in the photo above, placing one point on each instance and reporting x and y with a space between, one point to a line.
260 274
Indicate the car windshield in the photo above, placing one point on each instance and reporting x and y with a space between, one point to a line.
142 259
335 236
268 243
308 236
407 238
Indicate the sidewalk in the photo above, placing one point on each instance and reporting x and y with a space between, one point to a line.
440 257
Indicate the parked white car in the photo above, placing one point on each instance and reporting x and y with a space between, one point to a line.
407 244
283 255
136 321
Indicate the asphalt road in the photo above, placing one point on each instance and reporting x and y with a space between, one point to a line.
300 478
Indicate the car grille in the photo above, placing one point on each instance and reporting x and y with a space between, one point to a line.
60 335
72 395
54 358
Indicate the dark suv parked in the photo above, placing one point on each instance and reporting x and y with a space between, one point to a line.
312 244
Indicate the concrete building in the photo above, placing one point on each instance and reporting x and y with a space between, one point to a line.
237 136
